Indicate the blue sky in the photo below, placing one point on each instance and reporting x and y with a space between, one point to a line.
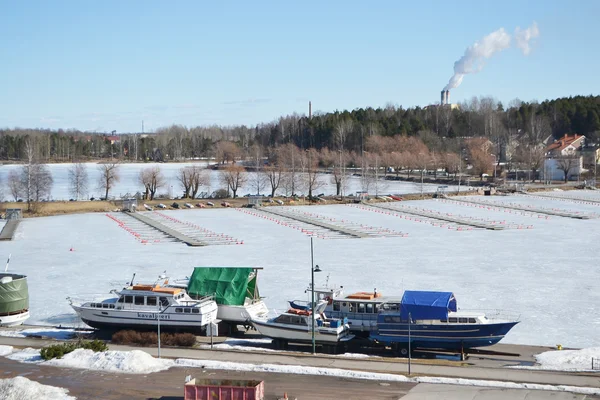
108 65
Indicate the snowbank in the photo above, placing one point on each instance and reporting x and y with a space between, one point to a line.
19 388
567 360
60 334
5 350
27 355
132 362
349 374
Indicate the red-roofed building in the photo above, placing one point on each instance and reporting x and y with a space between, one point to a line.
568 145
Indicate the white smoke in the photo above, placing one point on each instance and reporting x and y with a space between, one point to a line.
475 55
522 37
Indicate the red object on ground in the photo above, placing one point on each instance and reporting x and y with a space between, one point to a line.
214 389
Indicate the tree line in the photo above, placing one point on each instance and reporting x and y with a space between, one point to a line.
518 122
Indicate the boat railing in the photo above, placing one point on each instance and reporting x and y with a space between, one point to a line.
199 299
494 314
80 300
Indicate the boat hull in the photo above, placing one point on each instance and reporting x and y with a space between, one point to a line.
241 314
111 319
444 336
14 320
299 334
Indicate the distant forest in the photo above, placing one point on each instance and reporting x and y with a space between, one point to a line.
440 128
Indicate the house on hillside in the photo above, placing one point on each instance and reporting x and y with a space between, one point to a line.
564 157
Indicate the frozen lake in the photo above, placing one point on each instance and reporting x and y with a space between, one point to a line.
548 274
129 182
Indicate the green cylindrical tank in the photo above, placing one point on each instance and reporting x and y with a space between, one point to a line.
14 294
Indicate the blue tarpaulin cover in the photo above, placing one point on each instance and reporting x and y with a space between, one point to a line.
427 305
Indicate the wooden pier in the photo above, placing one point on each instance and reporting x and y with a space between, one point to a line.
166 230
312 221
9 229
556 213
439 216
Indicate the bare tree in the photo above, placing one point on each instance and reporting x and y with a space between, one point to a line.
78 180
109 176
291 160
42 182
258 181
14 184
152 179
234 177
336 162
311 162
185 179
274 176
566 164
226 151
198 178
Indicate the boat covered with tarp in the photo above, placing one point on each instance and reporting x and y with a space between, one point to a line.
432 320
235 289
14 299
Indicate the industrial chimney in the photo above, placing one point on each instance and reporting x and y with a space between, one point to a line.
443 97
447 97
309 110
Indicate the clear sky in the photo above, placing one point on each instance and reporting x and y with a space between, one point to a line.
108 65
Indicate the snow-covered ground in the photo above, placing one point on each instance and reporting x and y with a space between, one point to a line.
60 334
568 360
129 182
19 388
548 274
139 362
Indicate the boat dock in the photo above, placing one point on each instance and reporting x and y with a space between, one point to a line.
440 216
564 198
538 210
320 226
167 230
313 221
9 229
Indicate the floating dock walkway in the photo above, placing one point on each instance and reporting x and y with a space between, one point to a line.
9 229
439 216
513 206
583 200
312 221
190 241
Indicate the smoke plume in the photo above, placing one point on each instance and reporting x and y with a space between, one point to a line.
475 55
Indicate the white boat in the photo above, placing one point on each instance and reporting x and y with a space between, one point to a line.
296 326
14 299
140 306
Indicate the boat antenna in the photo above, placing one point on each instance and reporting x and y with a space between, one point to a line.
7 262
327 281
132 278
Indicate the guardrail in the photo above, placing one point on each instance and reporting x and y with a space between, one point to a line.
595 363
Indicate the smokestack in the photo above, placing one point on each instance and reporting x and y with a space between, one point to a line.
309 110
447 97
443 97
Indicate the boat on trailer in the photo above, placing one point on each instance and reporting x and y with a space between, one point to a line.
235 290
360 308
432 320
140 306
295 326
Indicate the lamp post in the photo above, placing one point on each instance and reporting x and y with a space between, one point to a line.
313 269
158 325
409 340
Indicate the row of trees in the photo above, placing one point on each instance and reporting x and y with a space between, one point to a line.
517 123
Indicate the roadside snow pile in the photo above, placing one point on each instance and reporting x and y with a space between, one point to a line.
131 362
5 350
19 388
568 360
27 355
60 334
241 345
350 374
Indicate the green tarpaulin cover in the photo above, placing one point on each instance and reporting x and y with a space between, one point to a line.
229 285
14 295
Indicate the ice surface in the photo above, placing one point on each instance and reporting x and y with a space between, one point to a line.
548 274
19 388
